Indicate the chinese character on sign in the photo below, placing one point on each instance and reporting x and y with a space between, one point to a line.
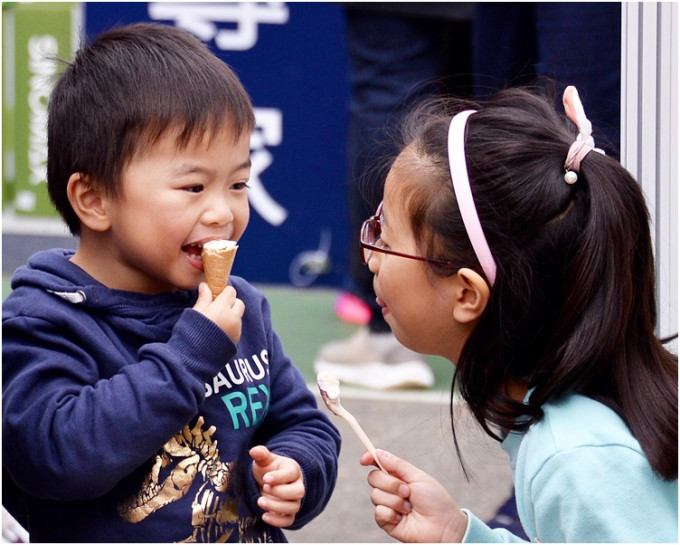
201 20
268 132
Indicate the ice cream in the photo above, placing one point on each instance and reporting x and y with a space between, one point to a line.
218 258
329 388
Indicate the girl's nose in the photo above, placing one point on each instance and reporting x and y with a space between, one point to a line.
374 262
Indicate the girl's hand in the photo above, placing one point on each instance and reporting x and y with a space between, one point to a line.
281 484
410 505
226 310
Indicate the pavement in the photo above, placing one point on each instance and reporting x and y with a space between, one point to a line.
416 426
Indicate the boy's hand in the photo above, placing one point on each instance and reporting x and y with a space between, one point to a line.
412 506
226 310
282 486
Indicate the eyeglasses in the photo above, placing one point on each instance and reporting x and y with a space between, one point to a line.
370 240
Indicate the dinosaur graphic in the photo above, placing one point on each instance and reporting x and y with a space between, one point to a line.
190 455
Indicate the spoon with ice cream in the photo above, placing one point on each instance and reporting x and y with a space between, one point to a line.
329 387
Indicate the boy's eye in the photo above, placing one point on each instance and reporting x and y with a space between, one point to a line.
194 188
240 186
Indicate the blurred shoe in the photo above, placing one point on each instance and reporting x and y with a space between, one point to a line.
350 308
12 531
374 360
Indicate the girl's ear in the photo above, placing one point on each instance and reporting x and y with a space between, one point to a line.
472 296
87 202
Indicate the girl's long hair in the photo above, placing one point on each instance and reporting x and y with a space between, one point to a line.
573 308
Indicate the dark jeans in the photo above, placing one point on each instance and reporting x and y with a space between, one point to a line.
572 43
394 62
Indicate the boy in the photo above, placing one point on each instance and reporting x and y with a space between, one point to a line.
136 408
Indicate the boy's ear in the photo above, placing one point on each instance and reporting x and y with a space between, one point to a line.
472 296
87 202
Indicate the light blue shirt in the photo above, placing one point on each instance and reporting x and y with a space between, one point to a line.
581 476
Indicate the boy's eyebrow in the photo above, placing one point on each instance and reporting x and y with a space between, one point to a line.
246 164
191 168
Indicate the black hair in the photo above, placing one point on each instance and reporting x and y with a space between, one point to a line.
573 305
125 90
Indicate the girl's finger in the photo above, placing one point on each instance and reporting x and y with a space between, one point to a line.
386 518
395 503
388 483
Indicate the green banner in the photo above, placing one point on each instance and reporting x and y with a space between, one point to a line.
35 37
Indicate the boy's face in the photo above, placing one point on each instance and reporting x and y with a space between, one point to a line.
172 201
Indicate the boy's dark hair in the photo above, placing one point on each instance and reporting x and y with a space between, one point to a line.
573 306
122 92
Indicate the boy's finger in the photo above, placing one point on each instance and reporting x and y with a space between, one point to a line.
278 520
240 307
289 491
204 296
278 506
227 294
261 455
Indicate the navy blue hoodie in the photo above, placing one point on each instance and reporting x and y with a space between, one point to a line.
128 417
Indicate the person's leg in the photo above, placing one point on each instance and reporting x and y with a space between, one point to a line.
503 46
391 61
390 58
579 43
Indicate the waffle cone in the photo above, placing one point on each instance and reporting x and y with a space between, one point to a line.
217 267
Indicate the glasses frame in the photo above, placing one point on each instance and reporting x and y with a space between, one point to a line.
375 219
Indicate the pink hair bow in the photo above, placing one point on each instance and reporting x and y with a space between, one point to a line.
584 142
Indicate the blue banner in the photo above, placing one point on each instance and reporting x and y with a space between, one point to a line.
291 59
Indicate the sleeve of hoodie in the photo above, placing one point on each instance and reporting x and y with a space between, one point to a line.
70 434
295 427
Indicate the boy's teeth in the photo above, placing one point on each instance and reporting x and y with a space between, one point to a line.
194 250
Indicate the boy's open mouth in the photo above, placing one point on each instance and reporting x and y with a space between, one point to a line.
193 251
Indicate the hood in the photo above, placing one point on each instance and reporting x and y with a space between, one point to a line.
51 272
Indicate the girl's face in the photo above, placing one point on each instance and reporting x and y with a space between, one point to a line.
417 305
172 201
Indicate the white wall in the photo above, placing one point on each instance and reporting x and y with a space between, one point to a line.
649 134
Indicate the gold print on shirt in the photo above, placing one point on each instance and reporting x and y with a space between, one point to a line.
189 455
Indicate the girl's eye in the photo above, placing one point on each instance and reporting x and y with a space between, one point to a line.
194 188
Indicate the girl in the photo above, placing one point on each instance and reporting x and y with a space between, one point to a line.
538 283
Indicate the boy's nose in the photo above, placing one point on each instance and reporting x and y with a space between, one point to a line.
218 212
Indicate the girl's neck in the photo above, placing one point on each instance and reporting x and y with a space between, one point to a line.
516 390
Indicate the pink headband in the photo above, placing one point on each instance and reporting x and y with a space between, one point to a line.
461 188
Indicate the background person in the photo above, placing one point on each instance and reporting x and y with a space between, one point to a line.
398 54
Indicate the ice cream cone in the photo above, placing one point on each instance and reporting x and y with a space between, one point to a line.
218 258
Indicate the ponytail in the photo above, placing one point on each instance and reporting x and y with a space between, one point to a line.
609 351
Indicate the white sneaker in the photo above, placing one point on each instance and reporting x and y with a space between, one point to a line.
374 360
